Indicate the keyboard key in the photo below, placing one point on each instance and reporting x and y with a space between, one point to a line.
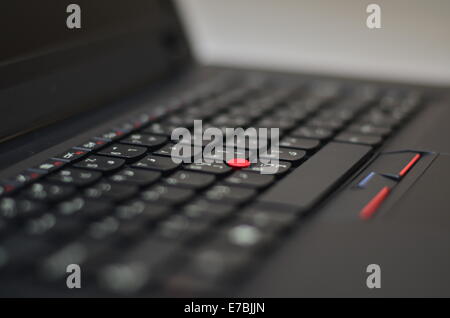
327 123
71 155
100 163
93 145
12 208
249 179
312 132
285 154
48 192
230 121
8 187
289 114
51 165
110 191
276 122
145 140
213 168
180 151
81 251
305 185
226 193
300 143
136 177
158 163
267 222
166 195
140 211
355 138
180 228
84 208
26 177
272 168
241 237
160 129
368 129
220 154
206 211
104 228
187 179
111 135
40 225
137 267
380 119
75 177
208 270
123 151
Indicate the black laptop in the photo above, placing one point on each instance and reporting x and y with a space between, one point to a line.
358 204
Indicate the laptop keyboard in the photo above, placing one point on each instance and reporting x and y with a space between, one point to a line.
136 222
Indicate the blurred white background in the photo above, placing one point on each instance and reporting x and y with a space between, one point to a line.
325 36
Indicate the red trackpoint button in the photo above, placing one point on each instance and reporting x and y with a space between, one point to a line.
238 163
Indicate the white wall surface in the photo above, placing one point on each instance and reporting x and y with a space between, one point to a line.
325 36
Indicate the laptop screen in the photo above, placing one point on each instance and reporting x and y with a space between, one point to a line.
89 38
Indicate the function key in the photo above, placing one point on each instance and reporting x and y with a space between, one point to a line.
146 140
71 155
76 177
112 135
100 163
140 120
27 176
123 151
163 164
8 187
137 177
93 145
51 165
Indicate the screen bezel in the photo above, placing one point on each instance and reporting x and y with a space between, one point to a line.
46 69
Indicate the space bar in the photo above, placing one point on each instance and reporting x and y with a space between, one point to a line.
307 184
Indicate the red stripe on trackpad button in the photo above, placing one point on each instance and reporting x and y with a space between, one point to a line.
369 210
